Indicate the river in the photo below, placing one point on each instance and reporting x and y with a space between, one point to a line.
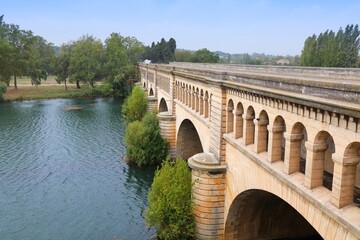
62 175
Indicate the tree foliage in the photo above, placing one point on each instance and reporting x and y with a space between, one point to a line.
199 56
121 55
332 50
204 56
135 105
23 54
3 89
86 60
144 143
161 52
170 202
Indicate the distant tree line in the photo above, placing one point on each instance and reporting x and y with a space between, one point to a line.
161 52
84 61
199 56
332 50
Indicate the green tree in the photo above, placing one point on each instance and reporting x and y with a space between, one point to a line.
182 55
122 53
161 52
62 64
144 143
86 60
204 56
135 105
3 88
170 202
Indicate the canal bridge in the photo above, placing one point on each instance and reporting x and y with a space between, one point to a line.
275 150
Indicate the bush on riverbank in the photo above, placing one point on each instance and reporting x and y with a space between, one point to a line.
3 89
170 202
135 105
144 143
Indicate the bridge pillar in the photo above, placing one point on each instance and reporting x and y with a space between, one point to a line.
344 180
261 135
275 143
314 164
292 152
152 103
209 195
167 124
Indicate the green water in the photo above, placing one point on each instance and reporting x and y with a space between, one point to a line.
62 175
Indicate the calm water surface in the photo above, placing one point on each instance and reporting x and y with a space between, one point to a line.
62 175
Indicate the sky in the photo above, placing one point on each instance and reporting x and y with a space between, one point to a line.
277 27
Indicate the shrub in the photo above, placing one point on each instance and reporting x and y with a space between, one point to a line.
3 89
135 105
170 202
144 143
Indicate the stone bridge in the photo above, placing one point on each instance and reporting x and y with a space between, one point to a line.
275 150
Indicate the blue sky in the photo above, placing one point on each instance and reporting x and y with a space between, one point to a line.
264 26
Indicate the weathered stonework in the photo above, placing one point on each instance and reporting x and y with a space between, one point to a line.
289 136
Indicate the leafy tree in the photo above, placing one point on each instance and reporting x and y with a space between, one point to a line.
135 105
170 202
3 88
62 64
332 50
204 56
161 52
40 62
86 60
122 53
182 55
144 143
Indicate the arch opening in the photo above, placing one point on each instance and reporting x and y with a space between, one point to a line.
230 117
297 149
277 140
257 214
239 120
151 92
188 140
352 151
163 106
249 126
144 86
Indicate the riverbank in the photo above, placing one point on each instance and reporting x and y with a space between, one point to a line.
48 92
50 89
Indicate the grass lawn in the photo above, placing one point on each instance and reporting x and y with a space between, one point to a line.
42 92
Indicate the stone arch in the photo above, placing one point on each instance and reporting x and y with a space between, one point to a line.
239 124
163 106
188 140
249 126
322 150
230 117
201 102
197 96
193 93
206 104
258 214
151 92
262 133
352 154
277 140
144 85
295 150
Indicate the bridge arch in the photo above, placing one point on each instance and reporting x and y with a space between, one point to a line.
352 153
188 140
249 131
163 106
151 92
262 133
230 117
258 214
277 140
239 123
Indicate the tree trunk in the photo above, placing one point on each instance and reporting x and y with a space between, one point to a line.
77 84
65 85
15 83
